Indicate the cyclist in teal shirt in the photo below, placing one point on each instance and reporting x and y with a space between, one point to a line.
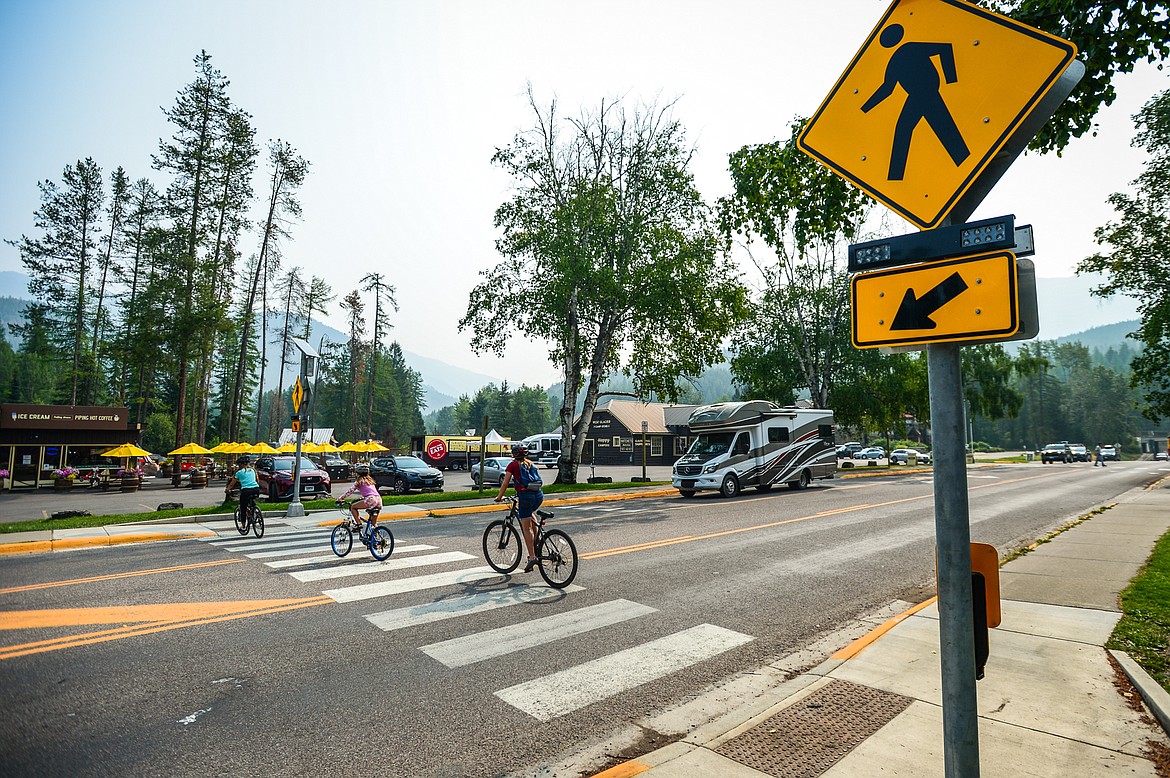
245 478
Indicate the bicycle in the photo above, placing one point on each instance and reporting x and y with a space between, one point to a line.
556 555
254 520
379 540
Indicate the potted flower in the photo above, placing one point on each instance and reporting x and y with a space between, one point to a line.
64 477
3 477
131 478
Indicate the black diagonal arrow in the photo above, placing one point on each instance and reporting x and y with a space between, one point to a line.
914 312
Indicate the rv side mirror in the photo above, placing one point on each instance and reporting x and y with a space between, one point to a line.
825 431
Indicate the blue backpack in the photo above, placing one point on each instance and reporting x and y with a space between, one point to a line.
529 478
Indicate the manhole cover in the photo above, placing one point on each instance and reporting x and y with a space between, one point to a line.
807 738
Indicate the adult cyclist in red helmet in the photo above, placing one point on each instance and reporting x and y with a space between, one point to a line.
529 498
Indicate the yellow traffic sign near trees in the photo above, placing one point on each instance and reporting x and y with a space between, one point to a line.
937 89
298 395
970 298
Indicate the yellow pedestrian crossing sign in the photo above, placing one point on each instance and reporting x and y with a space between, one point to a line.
934 94
298 395
970 298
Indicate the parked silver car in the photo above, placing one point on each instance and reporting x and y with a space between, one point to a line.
901 456
493 471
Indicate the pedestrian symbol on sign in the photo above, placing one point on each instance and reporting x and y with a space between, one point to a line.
912 67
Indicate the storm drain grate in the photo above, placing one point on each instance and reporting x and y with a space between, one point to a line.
807 738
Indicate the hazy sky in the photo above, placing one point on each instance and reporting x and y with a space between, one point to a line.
399 106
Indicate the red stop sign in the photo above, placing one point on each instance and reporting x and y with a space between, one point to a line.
437 449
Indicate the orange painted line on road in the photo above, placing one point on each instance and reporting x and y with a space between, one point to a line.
220 612
115 576
624 770
854 648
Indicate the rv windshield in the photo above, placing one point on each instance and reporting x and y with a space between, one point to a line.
711 443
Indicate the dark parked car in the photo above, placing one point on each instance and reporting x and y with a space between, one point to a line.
404 474
338 468
1056 452
847 450
275 474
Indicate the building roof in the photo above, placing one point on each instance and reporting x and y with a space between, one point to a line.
658 416
317 435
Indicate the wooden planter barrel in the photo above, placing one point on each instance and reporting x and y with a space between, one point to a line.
198 479
62 484
131 483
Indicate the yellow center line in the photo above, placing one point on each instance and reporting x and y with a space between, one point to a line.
216 612
114 576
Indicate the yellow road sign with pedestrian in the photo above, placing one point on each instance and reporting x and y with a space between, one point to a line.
970 298
298 395
937 89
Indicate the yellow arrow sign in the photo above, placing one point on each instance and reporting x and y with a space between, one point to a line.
971 298
298 395
938 88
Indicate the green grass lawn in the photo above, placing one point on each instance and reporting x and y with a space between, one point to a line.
1144 629
74 522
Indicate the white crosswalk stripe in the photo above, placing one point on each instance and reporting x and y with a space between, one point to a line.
403 585
571 689
469 649
352 558
326 573
235 543
290 549
465 605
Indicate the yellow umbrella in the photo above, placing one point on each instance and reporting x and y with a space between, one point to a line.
262 448
347 446
238 448
327 448
310 447
287 448
374 445
189 450
222 448
126 450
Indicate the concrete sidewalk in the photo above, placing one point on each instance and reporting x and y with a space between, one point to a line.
1051 704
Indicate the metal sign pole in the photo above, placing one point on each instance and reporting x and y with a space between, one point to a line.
953 537
295 508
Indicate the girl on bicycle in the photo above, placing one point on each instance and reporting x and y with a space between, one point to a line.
529 498
369 492
245 478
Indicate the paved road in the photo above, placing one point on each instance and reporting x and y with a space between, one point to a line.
240 656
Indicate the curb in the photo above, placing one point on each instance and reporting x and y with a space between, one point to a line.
1156 698
65 544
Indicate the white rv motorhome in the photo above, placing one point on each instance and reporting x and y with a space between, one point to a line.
755 443
544 449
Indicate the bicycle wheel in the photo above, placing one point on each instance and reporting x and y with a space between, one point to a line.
381 543
501 546
257 522
241 521
558 559
341 540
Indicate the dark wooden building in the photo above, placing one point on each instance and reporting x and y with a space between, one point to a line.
615 433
